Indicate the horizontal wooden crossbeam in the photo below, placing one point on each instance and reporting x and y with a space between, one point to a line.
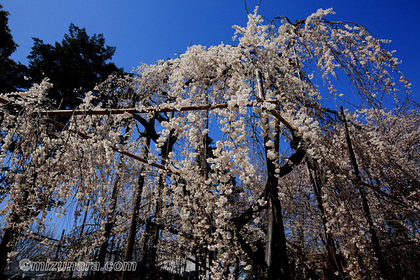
84 136
144 110
139 111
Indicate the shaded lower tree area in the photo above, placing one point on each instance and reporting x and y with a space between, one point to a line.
224 163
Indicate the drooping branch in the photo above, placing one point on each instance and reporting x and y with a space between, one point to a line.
85 136
366 208
167 108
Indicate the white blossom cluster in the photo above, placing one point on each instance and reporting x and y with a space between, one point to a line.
211 200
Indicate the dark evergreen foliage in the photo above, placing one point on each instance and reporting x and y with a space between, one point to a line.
11 73
73 66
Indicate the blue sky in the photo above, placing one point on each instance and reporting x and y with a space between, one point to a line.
145 31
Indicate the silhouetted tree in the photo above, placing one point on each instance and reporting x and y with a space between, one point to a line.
73 66
11 73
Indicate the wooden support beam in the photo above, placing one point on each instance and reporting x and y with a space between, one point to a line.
169 109
84 136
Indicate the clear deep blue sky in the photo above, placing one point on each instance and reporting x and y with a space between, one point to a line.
145 31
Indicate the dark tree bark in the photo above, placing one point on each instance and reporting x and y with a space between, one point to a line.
12 233
334 264
6 246
366 209
166 149
110 221
150 133
276 258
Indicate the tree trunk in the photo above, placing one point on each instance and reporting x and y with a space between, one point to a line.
6 248
133 226
363 194
82 229
276 258
110 219
166 149
334 264
155 236
144 251
11 234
